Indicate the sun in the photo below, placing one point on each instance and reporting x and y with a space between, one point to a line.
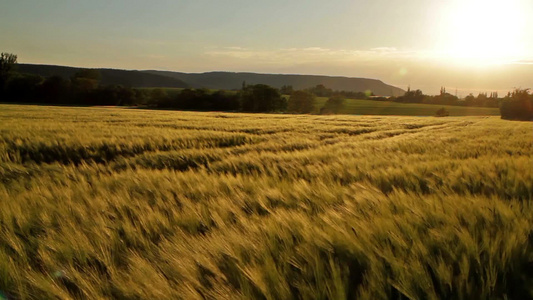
484 30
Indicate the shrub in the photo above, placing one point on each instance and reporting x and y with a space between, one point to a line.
443 112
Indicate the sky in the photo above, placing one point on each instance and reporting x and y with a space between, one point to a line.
466 45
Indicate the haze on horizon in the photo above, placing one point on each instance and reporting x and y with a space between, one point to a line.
469 45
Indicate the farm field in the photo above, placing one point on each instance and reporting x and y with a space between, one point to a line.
108 203
373 107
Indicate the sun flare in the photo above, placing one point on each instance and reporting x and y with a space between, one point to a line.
485 30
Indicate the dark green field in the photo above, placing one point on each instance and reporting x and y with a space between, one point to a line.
372 107
106 203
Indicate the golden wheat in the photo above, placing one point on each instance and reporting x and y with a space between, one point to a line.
131 204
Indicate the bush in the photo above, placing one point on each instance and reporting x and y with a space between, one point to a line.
443 112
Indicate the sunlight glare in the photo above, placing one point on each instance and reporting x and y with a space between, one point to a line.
486 31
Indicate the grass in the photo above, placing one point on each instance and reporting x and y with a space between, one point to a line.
131 204
373 107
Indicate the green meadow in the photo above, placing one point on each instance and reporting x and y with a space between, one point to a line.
116 203
379 107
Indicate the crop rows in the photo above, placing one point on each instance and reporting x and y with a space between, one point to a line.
133 204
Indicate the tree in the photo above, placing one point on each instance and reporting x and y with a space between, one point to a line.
301 102
333 106
482 100
159 97
286 90
262 98
8 63
93 74
470 100
443 98
86 80
223 101
411 97
518 105
23 87
55 89
321 91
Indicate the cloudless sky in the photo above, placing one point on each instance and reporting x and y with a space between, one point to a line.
422 43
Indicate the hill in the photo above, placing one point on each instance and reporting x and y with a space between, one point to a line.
109 76
218 80
229 81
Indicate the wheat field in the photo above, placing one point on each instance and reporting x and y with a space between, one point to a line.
105 203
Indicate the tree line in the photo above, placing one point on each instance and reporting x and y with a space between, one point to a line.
516 105
84 88
251 98
321 90
445 98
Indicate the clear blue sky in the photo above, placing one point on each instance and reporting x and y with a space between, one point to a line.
424 43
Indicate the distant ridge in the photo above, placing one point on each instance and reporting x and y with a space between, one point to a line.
128 78
230 80
218 80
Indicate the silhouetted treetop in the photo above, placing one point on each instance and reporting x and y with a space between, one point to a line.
518 105
262 98
8 63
